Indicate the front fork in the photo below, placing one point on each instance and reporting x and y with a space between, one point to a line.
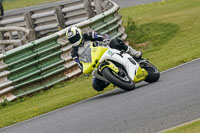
141 73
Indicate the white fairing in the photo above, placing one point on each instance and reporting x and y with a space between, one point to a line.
123 59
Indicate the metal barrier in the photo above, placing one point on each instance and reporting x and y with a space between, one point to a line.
45 19
12 37
50 18
47 61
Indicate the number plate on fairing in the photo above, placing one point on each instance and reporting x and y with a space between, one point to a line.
110 52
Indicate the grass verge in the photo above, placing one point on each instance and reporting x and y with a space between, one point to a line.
167 32
193 127
13 4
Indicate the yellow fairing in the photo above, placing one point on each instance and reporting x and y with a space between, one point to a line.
140 75
96 54
111 66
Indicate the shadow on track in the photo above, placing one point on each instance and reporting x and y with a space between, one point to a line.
119 91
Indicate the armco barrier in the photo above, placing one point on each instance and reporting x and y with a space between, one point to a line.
12 37
47 61
50 18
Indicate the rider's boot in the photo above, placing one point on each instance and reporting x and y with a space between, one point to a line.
134 53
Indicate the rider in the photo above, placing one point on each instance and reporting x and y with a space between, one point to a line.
77 39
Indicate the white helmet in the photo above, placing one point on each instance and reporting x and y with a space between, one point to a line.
74 35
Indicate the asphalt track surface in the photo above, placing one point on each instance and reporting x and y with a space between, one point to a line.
150 108
128 3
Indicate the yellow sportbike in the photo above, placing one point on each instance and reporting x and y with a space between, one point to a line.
117 67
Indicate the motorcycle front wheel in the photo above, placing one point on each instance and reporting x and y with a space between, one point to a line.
153 73
120 80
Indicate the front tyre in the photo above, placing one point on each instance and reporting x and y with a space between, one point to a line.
120 80
153 73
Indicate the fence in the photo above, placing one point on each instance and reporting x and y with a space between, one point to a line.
47 61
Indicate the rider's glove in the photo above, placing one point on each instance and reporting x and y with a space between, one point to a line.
106 36
106 39
106 42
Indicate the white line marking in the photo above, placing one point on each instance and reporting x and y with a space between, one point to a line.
180 65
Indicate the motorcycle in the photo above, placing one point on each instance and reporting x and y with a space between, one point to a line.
117 67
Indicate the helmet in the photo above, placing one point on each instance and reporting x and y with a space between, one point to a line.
74 35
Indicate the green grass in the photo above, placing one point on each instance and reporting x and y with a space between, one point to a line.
169 29
193 127
13 4
167 32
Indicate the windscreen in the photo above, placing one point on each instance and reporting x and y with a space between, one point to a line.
85 55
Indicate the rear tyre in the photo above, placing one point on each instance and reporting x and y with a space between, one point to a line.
121 81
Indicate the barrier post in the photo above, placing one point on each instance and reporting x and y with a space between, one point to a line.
59 17
2 47
30 25
88 8
98 6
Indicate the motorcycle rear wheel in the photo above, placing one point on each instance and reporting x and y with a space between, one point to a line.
117 80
